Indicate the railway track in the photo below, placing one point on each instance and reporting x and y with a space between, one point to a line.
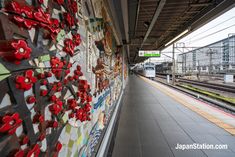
227 107
220 87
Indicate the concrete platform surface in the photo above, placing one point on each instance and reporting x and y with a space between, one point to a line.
155 119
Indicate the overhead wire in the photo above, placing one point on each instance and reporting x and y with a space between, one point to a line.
213 33
211 28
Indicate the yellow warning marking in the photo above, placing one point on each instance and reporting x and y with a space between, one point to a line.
209 117
231 131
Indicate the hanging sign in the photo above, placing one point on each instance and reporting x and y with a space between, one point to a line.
149 53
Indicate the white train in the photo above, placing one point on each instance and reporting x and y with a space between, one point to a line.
146 69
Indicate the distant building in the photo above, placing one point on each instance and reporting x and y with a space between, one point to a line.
218 57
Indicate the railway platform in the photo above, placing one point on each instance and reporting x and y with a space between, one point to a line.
156 120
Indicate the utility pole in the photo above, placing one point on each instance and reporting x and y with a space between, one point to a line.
199 70
185 63
210 53
173 63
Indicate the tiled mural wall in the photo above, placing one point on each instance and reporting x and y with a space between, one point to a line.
60 76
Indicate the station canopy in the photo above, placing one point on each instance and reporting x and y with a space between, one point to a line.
153 24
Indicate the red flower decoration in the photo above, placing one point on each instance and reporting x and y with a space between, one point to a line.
83 86
72 104
57 66
42 17
23 16
25 82
31 99
58 146
52 124
48 23
24 19
54 26
15 50
42 136
43 92
77 39
87 107
48 74
53 29
69 47
22 51
38 118
9 123
56 108
59 1
83 114
69 19
17 153
14 7
27 17
89 98
74 7
23 139
35 151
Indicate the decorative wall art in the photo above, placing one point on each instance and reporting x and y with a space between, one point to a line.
59 79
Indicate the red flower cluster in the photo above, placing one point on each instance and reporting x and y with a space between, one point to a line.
77 73
38 118
83 114
31 99
48 23
82 85
44 75
84 88
69 19
52 124
24 15
56 87
74 6
72 104
9 123
57 66
57 107
29 17
77 39
70 44
25 82
15 50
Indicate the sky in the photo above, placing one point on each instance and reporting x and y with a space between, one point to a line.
217 29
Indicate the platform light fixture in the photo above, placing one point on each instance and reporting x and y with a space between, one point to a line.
177 37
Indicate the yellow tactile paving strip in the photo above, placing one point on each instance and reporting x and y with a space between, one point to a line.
211 118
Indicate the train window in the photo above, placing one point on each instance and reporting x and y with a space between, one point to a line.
149 68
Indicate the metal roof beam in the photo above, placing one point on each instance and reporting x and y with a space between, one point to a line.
137 15
154 19
156 15
192 12
125 17
199 4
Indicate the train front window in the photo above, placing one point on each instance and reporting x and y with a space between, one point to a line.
149 68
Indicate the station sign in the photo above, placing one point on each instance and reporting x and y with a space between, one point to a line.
149 53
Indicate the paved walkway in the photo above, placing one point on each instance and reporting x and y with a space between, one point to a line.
155 118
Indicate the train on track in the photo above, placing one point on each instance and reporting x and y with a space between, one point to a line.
146 69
